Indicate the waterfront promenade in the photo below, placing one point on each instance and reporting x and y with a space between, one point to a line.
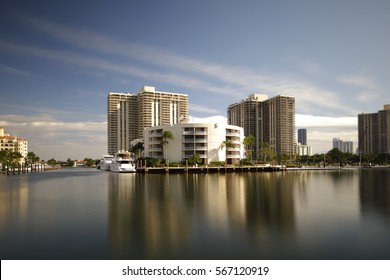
212 169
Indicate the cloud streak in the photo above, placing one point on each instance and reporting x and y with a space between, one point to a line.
51 138
13 70
231 81
324 121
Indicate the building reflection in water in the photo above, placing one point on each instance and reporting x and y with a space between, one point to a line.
374 188
199 216
13 204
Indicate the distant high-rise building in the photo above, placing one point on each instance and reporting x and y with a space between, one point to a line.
303 150
374 132
129 114
346 146
302 136
270 121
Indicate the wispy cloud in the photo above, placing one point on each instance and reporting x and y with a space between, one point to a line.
49 137
42 123
324 121
360 80
367 88
196 108
44 113
194 74
13 70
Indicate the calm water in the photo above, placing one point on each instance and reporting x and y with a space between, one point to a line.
89 214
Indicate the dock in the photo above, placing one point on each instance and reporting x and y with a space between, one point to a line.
213 169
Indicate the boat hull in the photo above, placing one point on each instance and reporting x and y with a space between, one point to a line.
120 168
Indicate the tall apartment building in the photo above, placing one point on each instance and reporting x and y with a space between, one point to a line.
374 132
248 115
129 114
302 136
346 146
268 120
13 143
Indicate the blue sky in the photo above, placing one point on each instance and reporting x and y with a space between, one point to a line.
59 60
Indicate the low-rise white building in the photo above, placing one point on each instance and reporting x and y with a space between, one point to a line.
211 142
13 143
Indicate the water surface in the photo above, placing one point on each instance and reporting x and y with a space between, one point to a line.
89 214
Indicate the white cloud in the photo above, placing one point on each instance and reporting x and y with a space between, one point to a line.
51 138
324 121
322 129
212 119
232 81
368 89
228 81
359 79
369 96
196 108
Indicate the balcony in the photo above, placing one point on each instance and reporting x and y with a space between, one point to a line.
194 148
233 149
195 140
185 156
155 141
192 132
233 156
233 141
156 133
235 134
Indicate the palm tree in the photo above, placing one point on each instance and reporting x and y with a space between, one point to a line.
167 135
137 149
9 157
248 142
228 144
31 158
266 152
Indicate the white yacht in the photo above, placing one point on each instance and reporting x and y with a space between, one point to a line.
122 162
105 163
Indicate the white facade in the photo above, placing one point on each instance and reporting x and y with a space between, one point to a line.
303 150
13 143
346 146
211 142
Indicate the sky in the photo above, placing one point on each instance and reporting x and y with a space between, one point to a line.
60 59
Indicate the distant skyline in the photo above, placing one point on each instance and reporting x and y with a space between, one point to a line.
59 61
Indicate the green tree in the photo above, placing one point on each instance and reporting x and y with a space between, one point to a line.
195 159
32 158
137 149
52 162
167 135
248 142
89 162
226 144
9 156
266 153
69 162
336 156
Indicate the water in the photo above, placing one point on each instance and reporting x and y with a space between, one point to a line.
89 214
